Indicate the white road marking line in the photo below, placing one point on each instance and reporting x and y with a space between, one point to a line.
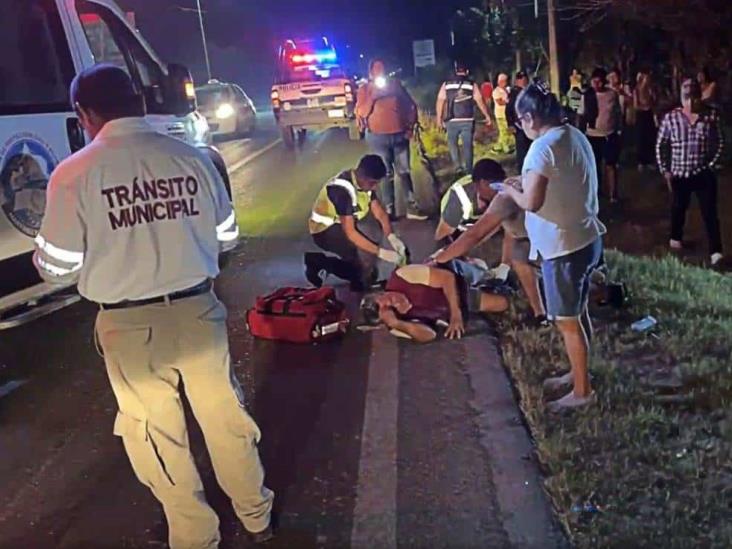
11 386
375 513
244 161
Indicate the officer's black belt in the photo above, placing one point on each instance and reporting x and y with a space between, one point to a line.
198 289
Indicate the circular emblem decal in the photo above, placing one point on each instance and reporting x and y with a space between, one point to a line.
26 163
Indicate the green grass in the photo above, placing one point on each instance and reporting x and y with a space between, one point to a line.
655 455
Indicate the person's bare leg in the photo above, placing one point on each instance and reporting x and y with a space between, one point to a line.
577 346
530 283
507 249
587 325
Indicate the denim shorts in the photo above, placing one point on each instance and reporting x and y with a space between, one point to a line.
567 281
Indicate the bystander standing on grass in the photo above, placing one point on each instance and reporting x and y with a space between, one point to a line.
689 146
601 109
644 104
559 193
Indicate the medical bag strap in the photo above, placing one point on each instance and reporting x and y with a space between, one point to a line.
286 302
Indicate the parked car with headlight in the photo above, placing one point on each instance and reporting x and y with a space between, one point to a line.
228 110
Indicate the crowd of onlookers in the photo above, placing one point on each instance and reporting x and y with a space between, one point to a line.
679 135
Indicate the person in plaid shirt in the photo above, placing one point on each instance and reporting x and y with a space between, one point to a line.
688 147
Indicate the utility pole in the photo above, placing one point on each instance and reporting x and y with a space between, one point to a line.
553 53
203 38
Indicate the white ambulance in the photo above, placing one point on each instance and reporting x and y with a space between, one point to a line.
312 91
43 45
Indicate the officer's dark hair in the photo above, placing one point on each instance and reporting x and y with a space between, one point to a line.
538 101
520 75
372 167
108 91
600 73
489 170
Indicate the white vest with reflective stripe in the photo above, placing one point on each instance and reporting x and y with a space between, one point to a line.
465 202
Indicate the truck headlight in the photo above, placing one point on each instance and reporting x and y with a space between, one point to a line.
225 111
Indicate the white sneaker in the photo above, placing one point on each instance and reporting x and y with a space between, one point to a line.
501 272
571 402
675 244
716 259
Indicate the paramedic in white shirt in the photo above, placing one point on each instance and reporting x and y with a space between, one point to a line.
138 219
559 182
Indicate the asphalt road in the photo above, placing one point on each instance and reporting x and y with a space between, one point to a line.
367 442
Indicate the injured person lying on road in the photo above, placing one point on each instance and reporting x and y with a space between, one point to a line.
418 299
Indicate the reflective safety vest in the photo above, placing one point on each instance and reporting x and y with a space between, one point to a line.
463 189
324 213
460 103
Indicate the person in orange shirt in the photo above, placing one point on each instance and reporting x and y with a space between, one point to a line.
388 114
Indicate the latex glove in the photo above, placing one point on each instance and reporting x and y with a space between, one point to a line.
397 244
390 256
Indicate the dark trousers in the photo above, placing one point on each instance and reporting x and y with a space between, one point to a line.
646 135
347 265
704 185
522 148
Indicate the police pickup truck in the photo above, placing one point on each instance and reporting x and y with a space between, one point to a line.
45 43
312 91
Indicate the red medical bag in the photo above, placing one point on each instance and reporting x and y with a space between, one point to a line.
299 315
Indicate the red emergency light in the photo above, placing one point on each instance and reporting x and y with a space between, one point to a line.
301 58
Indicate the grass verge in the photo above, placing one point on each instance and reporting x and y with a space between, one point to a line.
651 464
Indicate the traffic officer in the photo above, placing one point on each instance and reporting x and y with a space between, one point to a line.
342 204
455 109
138 219
466 200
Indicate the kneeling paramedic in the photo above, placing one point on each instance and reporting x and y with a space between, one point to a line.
138 219
464 203
343 203
417 298
502 212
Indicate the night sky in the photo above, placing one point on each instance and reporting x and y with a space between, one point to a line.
243 34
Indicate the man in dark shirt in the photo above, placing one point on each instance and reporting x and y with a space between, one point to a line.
342 203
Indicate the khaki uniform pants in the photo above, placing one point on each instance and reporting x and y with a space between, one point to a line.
505 141
148 351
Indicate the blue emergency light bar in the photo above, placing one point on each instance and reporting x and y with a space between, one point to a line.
319 57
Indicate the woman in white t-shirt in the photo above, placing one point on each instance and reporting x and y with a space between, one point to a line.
559 193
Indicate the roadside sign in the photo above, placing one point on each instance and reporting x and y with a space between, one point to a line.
424 53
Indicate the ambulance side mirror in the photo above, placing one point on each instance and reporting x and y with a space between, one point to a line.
181 93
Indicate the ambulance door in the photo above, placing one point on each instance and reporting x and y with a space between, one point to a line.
38 128
107 37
